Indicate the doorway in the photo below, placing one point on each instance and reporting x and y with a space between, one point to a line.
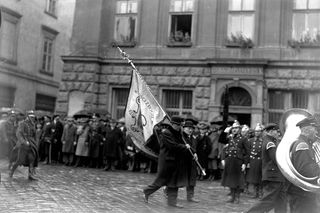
243 118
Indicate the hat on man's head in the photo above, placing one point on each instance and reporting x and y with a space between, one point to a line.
309 121
236 124
259 127
203 125
31 113
188 124
176 120
271 126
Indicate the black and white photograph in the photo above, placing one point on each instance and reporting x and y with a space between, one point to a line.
160 106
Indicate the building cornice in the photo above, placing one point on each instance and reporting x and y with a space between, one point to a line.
10 71
170 61
198 62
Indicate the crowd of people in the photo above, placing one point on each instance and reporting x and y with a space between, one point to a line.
84 141
190 151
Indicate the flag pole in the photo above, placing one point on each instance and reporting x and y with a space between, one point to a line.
126 57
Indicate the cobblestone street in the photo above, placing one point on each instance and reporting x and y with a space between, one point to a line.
68 189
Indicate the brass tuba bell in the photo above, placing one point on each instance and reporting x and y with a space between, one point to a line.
290 133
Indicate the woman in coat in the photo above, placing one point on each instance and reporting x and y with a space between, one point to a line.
84 137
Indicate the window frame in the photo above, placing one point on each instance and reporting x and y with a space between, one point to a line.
288 96
48 9
240 40
113 104
137 24
180 110
193 13
13 17
297 40
48 34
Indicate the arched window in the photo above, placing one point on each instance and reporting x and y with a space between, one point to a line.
238 97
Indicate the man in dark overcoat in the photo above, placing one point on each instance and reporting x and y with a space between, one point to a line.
25 152
69 140
274 183
203 148
46 140
172 171
188 128
114 138
254 172
304 161
235 160
10 134
57 130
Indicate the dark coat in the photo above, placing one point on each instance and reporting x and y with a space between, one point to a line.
236 154
114 139
254 174
303 160
172 170
270 170
203 150
190 163
68 138
96 139
24 154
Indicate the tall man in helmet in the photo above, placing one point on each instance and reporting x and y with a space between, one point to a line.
235 161
303 160
26 151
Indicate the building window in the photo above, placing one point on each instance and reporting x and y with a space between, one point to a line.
181 20
6 96
47 61
241 22
306 22
126 23
45 102
119 100
51 7
9 35
177 102
279 101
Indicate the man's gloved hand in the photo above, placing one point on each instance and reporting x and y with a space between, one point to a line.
195 156
223 163
243 167
188 146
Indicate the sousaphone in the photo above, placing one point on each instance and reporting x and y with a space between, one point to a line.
283 157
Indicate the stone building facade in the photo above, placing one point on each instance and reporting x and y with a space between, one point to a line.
33 36
266 74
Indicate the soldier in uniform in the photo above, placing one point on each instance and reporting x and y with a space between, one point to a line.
254 174
274 184
26 151
303 160
172 171
235 161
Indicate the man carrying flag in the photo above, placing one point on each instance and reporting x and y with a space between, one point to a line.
142 114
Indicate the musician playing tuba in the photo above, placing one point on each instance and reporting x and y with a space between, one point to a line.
304 161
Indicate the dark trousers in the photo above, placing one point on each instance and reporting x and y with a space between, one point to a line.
301 204
150 189
274 197
172 193
190 192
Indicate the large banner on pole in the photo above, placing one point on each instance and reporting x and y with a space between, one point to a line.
142 113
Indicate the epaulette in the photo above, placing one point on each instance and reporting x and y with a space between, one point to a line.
302 146
270 145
